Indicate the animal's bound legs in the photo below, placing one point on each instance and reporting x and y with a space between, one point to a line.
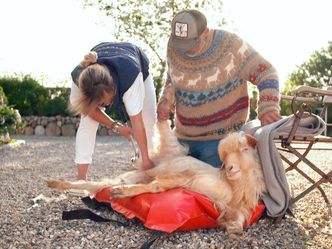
91 187
160 184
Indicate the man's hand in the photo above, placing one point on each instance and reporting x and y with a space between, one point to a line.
163 111
270 117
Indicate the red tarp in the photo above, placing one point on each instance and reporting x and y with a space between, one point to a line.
173 210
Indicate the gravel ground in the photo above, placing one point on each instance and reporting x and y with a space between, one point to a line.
23 172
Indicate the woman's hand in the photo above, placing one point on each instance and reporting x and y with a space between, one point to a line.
147 164
122 130
125 131
101 117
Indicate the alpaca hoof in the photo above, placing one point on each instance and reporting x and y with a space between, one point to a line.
221 222
235 234
58 185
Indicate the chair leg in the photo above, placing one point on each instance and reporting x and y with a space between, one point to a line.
293 165
312 187
310 164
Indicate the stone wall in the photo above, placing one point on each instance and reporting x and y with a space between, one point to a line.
55 126
66 126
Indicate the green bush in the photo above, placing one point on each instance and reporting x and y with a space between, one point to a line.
31 98
3 98
10 119
25 94
56 106
57 103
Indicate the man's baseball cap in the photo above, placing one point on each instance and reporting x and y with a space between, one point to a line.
187 26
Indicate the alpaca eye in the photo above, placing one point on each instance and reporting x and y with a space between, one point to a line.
244 149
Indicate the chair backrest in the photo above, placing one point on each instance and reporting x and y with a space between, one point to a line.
309 95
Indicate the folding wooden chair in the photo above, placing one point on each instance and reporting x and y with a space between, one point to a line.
307 97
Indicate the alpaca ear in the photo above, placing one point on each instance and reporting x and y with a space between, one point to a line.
251 140
222 153
242 138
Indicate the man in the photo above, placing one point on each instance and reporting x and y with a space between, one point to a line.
208 70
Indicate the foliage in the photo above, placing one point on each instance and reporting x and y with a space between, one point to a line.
253 95
56 106
57 102
315 72
25 94
285 106
9 119
147 24
3 98
31 98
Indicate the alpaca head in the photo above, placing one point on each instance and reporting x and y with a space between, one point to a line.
238 153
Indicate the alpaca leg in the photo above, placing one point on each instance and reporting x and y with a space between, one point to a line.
132 177
160 184
91 187
232 221
234 229
222 209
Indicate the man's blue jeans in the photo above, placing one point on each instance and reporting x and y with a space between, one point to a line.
206 151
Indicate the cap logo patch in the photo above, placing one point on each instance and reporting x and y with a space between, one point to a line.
181 29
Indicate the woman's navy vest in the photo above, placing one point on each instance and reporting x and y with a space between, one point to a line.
124 61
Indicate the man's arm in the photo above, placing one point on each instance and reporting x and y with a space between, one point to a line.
261 73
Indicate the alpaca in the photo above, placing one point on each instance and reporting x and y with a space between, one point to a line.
235 189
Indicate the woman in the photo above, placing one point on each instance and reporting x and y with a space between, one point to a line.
112 73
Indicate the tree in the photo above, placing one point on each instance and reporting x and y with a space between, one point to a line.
147 24
315 72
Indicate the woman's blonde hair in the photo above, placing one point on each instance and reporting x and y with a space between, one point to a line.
93 81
